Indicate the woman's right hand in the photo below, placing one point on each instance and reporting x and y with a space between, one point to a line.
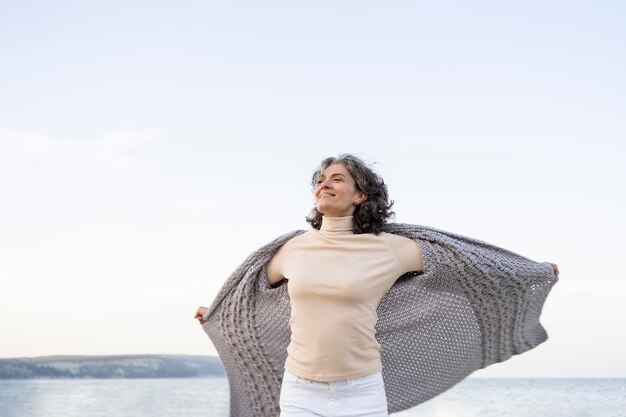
199 313
555 268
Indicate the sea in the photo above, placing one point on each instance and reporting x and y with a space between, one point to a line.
197 397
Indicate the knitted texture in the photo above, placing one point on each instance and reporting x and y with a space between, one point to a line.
474 304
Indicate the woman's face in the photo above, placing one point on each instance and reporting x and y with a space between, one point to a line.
336 193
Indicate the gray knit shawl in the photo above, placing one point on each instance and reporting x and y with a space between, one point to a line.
474 304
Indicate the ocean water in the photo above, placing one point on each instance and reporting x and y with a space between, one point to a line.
472 397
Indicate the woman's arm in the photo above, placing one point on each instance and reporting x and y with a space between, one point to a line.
274 275
408 252
275 267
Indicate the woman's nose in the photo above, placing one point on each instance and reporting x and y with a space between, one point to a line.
323 184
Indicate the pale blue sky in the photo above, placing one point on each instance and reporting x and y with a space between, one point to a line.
146 149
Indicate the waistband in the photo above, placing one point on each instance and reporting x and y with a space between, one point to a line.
347 382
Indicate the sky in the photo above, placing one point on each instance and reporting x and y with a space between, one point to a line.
146 148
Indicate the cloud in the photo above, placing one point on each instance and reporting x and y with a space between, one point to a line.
121 139
22 142
30 158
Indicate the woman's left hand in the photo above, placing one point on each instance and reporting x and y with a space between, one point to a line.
200 313
555 268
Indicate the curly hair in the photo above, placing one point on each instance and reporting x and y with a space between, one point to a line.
369 216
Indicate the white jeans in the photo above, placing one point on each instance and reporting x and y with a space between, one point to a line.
362 397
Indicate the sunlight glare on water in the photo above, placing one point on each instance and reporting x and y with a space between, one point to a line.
209 397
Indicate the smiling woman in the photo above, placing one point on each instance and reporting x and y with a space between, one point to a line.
337 274
353 188
350 317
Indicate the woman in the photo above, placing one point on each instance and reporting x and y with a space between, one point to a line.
337 274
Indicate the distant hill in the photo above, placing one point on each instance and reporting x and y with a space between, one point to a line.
116 366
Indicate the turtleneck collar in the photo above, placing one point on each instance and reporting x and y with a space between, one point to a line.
337 225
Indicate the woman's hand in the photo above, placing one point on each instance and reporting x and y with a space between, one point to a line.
555 268
200 313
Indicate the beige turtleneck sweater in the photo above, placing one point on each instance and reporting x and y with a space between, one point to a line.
336 280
